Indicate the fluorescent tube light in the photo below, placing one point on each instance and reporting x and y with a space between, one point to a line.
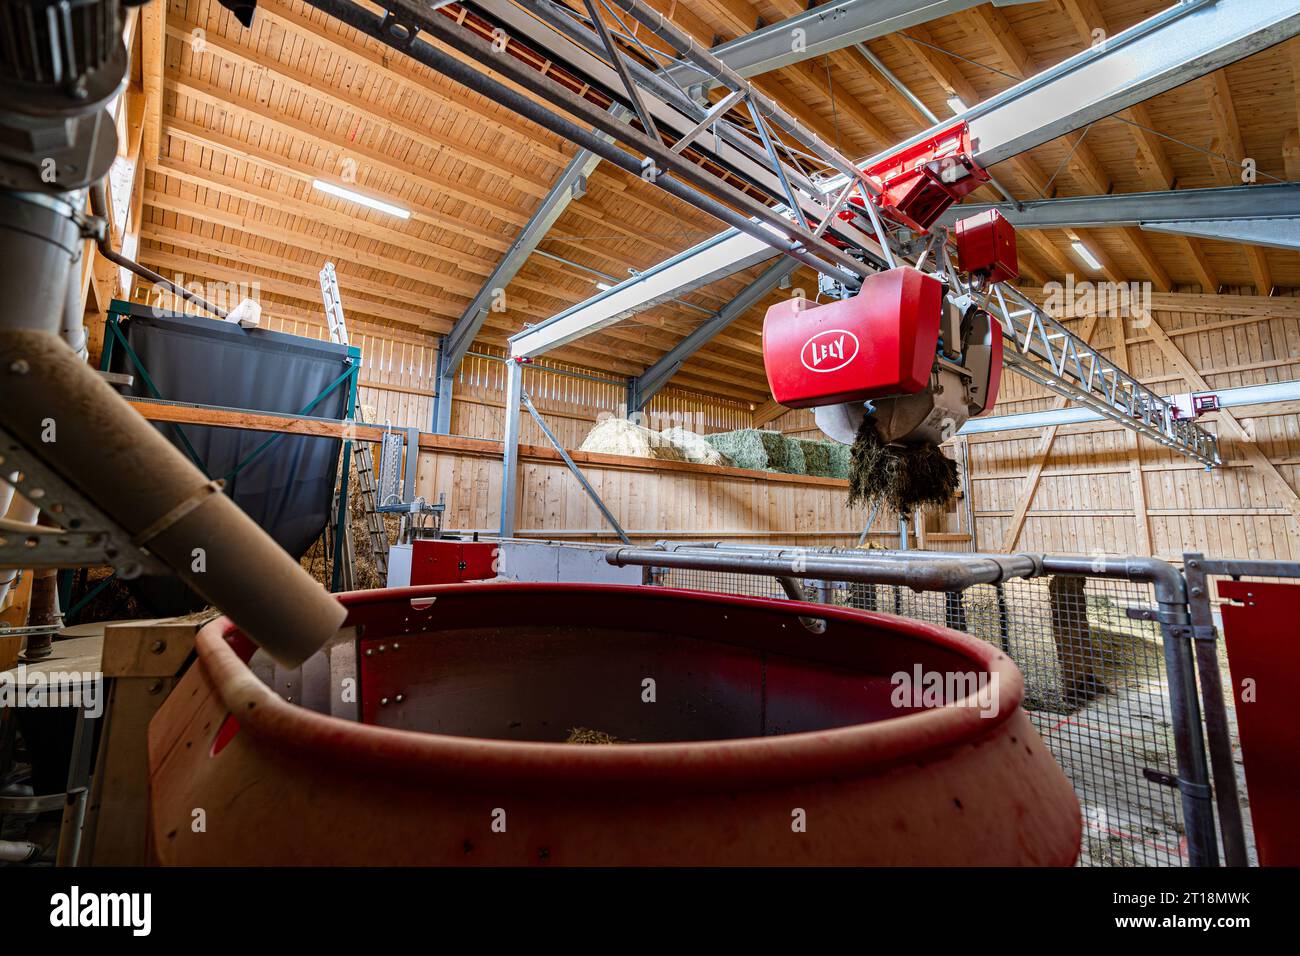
1084 253
351 196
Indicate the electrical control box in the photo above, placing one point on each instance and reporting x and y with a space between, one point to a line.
986 245
879 343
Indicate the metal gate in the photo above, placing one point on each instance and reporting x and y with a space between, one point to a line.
1105 647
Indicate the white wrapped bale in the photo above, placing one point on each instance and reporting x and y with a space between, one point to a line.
694 447
618 436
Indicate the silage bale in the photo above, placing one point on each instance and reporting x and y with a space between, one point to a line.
694 447
816 457
618 436
752 448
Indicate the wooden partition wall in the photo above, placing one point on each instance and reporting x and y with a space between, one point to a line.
1085 488
1096 488
652 500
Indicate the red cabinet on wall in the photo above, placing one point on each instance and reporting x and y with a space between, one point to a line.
441 561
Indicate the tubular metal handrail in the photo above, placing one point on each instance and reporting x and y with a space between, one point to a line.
956 571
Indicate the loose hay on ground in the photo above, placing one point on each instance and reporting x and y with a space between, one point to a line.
585 735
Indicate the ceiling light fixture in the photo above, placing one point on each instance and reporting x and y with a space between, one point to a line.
1084 253
356 197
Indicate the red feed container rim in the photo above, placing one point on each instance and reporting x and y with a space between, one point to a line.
857 750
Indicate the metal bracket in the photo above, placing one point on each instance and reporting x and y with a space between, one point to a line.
87 536
1176 619
1173 781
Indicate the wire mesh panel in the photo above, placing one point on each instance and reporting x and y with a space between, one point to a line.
1095 688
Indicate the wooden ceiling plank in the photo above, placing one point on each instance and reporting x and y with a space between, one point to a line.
260 66
400 70
281 202
233 104
1229 143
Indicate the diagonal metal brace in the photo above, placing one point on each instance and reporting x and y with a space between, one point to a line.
577 472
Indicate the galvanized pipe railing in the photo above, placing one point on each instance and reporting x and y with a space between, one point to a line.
920 571
956 571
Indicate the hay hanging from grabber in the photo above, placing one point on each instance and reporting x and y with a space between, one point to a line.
902 477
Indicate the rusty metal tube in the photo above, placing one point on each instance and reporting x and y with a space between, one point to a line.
121 464
99 206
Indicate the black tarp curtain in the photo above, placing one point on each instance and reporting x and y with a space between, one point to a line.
288 487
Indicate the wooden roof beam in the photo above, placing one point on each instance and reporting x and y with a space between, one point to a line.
306 172
260 66
1229 143
1152 161
228 102
400 70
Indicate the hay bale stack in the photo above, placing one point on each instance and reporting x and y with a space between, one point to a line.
618 436
795 463
755 449
694 447
840 456
816 457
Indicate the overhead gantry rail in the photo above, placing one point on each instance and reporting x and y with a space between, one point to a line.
632 100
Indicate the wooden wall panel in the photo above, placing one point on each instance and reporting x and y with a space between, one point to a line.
1097 494
650 500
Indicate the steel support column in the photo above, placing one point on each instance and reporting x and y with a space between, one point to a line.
510 448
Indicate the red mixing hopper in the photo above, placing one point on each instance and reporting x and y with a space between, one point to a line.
764 743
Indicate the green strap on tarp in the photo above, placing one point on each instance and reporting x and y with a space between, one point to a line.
117 333
302 411
87 598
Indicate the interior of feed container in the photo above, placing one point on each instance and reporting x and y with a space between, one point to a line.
642 674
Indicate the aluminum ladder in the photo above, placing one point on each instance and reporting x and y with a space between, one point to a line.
362 458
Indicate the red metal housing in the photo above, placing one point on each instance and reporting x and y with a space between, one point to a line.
1262 634
986 244
446 561
921 181
881 342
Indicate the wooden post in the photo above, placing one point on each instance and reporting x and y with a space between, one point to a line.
142 661
1073 638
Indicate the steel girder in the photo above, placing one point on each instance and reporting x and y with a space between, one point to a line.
1150 210
1177 45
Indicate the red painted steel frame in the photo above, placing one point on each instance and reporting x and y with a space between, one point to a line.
1262 636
